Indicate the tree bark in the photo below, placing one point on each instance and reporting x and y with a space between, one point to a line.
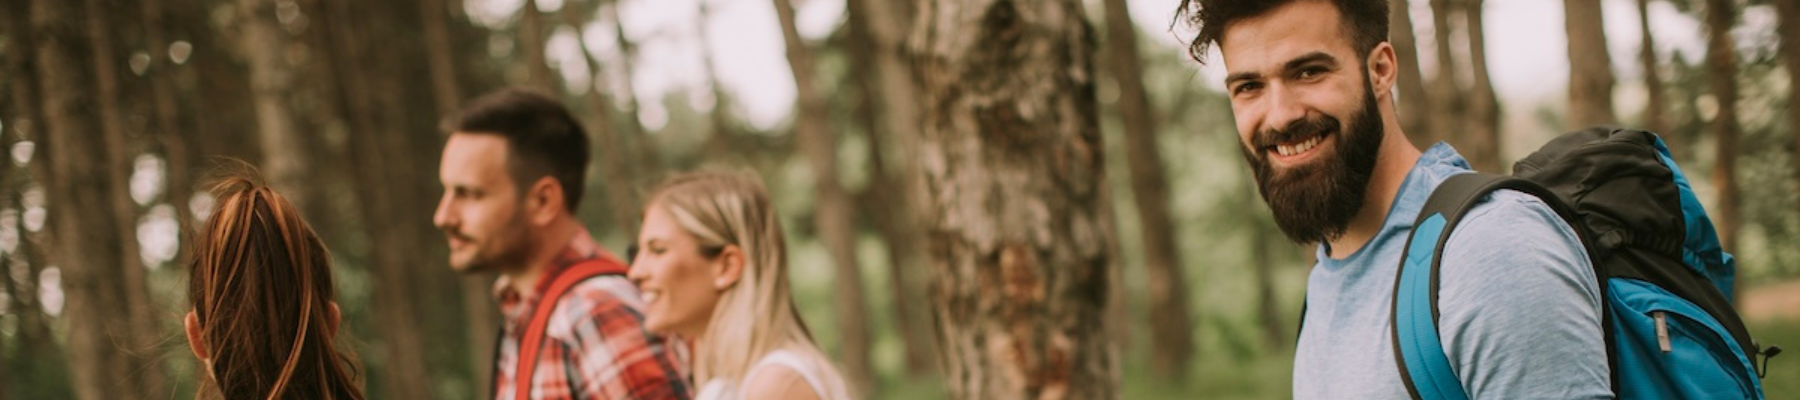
384 187
170 136
532 38
1483 124
616 161
1721 66
889 112
77 155
1014 180
1451 107
1789 13
648 159
1658 102
1590 66
264 45
1414 103
435 17
144 355
1171 325
835 212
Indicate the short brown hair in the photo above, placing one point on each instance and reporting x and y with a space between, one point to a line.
1365 21
543 138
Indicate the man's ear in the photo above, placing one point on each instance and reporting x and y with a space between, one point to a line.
544 201
1384 70
195 342
731 267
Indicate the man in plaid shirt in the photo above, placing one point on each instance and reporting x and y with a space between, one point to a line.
513 172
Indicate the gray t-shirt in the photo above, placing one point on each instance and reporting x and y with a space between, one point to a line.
1519 308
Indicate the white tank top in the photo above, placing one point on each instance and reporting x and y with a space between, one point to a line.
808 369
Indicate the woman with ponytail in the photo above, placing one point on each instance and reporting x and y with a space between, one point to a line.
264 322
713 268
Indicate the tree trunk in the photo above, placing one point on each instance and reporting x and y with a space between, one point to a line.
648 159
1014 176
1449 112
144 354
1789 13
435 16
834 210
383 186
171 137
1484 107
616 159
1268 309
1590 66
1171 325
97 307
889 112
1414 103
531 46
1654 120
264 45
1721 70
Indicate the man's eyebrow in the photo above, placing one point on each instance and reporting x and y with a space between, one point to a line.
1241 76
1308 58
1295 63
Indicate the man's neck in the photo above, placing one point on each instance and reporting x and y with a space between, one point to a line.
524 278
1397 157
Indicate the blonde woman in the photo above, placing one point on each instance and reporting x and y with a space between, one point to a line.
712 266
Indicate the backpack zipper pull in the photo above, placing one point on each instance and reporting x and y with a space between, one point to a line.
1662 330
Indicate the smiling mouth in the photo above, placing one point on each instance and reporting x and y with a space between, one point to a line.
1298 147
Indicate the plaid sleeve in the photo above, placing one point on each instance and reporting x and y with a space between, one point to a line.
607 353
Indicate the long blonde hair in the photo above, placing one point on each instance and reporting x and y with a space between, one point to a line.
756 316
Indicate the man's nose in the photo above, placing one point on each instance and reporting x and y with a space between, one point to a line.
1285 107
442 216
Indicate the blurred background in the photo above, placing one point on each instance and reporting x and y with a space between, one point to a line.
113 111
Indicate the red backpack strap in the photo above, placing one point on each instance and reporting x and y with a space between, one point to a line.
540 316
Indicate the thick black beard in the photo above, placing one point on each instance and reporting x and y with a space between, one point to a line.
1314 203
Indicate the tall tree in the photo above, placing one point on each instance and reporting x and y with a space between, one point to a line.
1450 104
615 157
79 161
1483 124
639 138
1654 120
889 113
834 211
532 38
1171 326
1014 176
1590 66
365 82
1789 13
1414 103
172 138
265 46
1721 71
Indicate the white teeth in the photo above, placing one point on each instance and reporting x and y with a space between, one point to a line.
1302 147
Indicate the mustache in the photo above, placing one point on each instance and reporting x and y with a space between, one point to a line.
1294 131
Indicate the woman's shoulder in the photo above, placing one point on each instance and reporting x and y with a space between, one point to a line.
789 374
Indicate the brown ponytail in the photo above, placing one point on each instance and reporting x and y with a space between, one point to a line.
260 283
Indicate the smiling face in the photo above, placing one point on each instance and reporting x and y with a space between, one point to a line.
1306 114
681 280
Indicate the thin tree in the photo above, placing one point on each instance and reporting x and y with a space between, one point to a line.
265 47
1789 13
834 211
531 48
615 157
889 112
1450 107
1012 163
1483 125
1654 120
1590 66
1414 102
78 159
1721 71
1171 325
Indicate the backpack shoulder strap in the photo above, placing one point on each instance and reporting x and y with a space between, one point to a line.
1424 368
546 305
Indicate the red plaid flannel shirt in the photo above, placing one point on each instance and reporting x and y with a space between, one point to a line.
595 346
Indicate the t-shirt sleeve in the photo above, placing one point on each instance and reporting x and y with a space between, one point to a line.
1519 305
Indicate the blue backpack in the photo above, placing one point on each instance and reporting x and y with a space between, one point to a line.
1671 332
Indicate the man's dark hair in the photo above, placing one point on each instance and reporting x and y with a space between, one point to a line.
1365 21
542 137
